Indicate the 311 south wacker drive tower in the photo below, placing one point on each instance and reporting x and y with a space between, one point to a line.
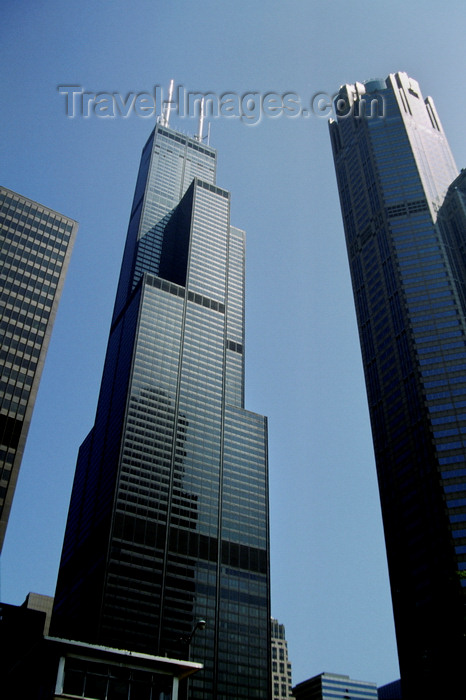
405 226
168 521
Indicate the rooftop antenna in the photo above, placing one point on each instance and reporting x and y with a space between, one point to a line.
167 106
201 122
208 134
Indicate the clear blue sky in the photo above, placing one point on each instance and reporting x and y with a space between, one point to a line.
329 575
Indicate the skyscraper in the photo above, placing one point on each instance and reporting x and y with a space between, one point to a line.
281 667
35 249
168 521
394 167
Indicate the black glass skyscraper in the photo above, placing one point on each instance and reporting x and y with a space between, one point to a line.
35 249
168 521
394 167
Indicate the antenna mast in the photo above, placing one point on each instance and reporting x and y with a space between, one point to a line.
201 122
167 106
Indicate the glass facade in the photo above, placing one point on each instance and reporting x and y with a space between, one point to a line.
393 169
35 248
335 686
168 520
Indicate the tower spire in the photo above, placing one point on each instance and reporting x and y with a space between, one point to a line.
165 120
201 122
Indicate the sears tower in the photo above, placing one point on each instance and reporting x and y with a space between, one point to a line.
404 215
168 520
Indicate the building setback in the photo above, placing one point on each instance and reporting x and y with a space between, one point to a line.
35 249
394 167
168 521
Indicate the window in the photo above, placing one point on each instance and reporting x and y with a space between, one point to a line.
104 681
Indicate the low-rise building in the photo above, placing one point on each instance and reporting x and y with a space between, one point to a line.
36 666
334 686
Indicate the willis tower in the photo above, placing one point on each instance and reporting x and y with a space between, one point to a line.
168 520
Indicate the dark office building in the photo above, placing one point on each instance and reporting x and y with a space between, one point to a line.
168 521
35 248
390 691
394 167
